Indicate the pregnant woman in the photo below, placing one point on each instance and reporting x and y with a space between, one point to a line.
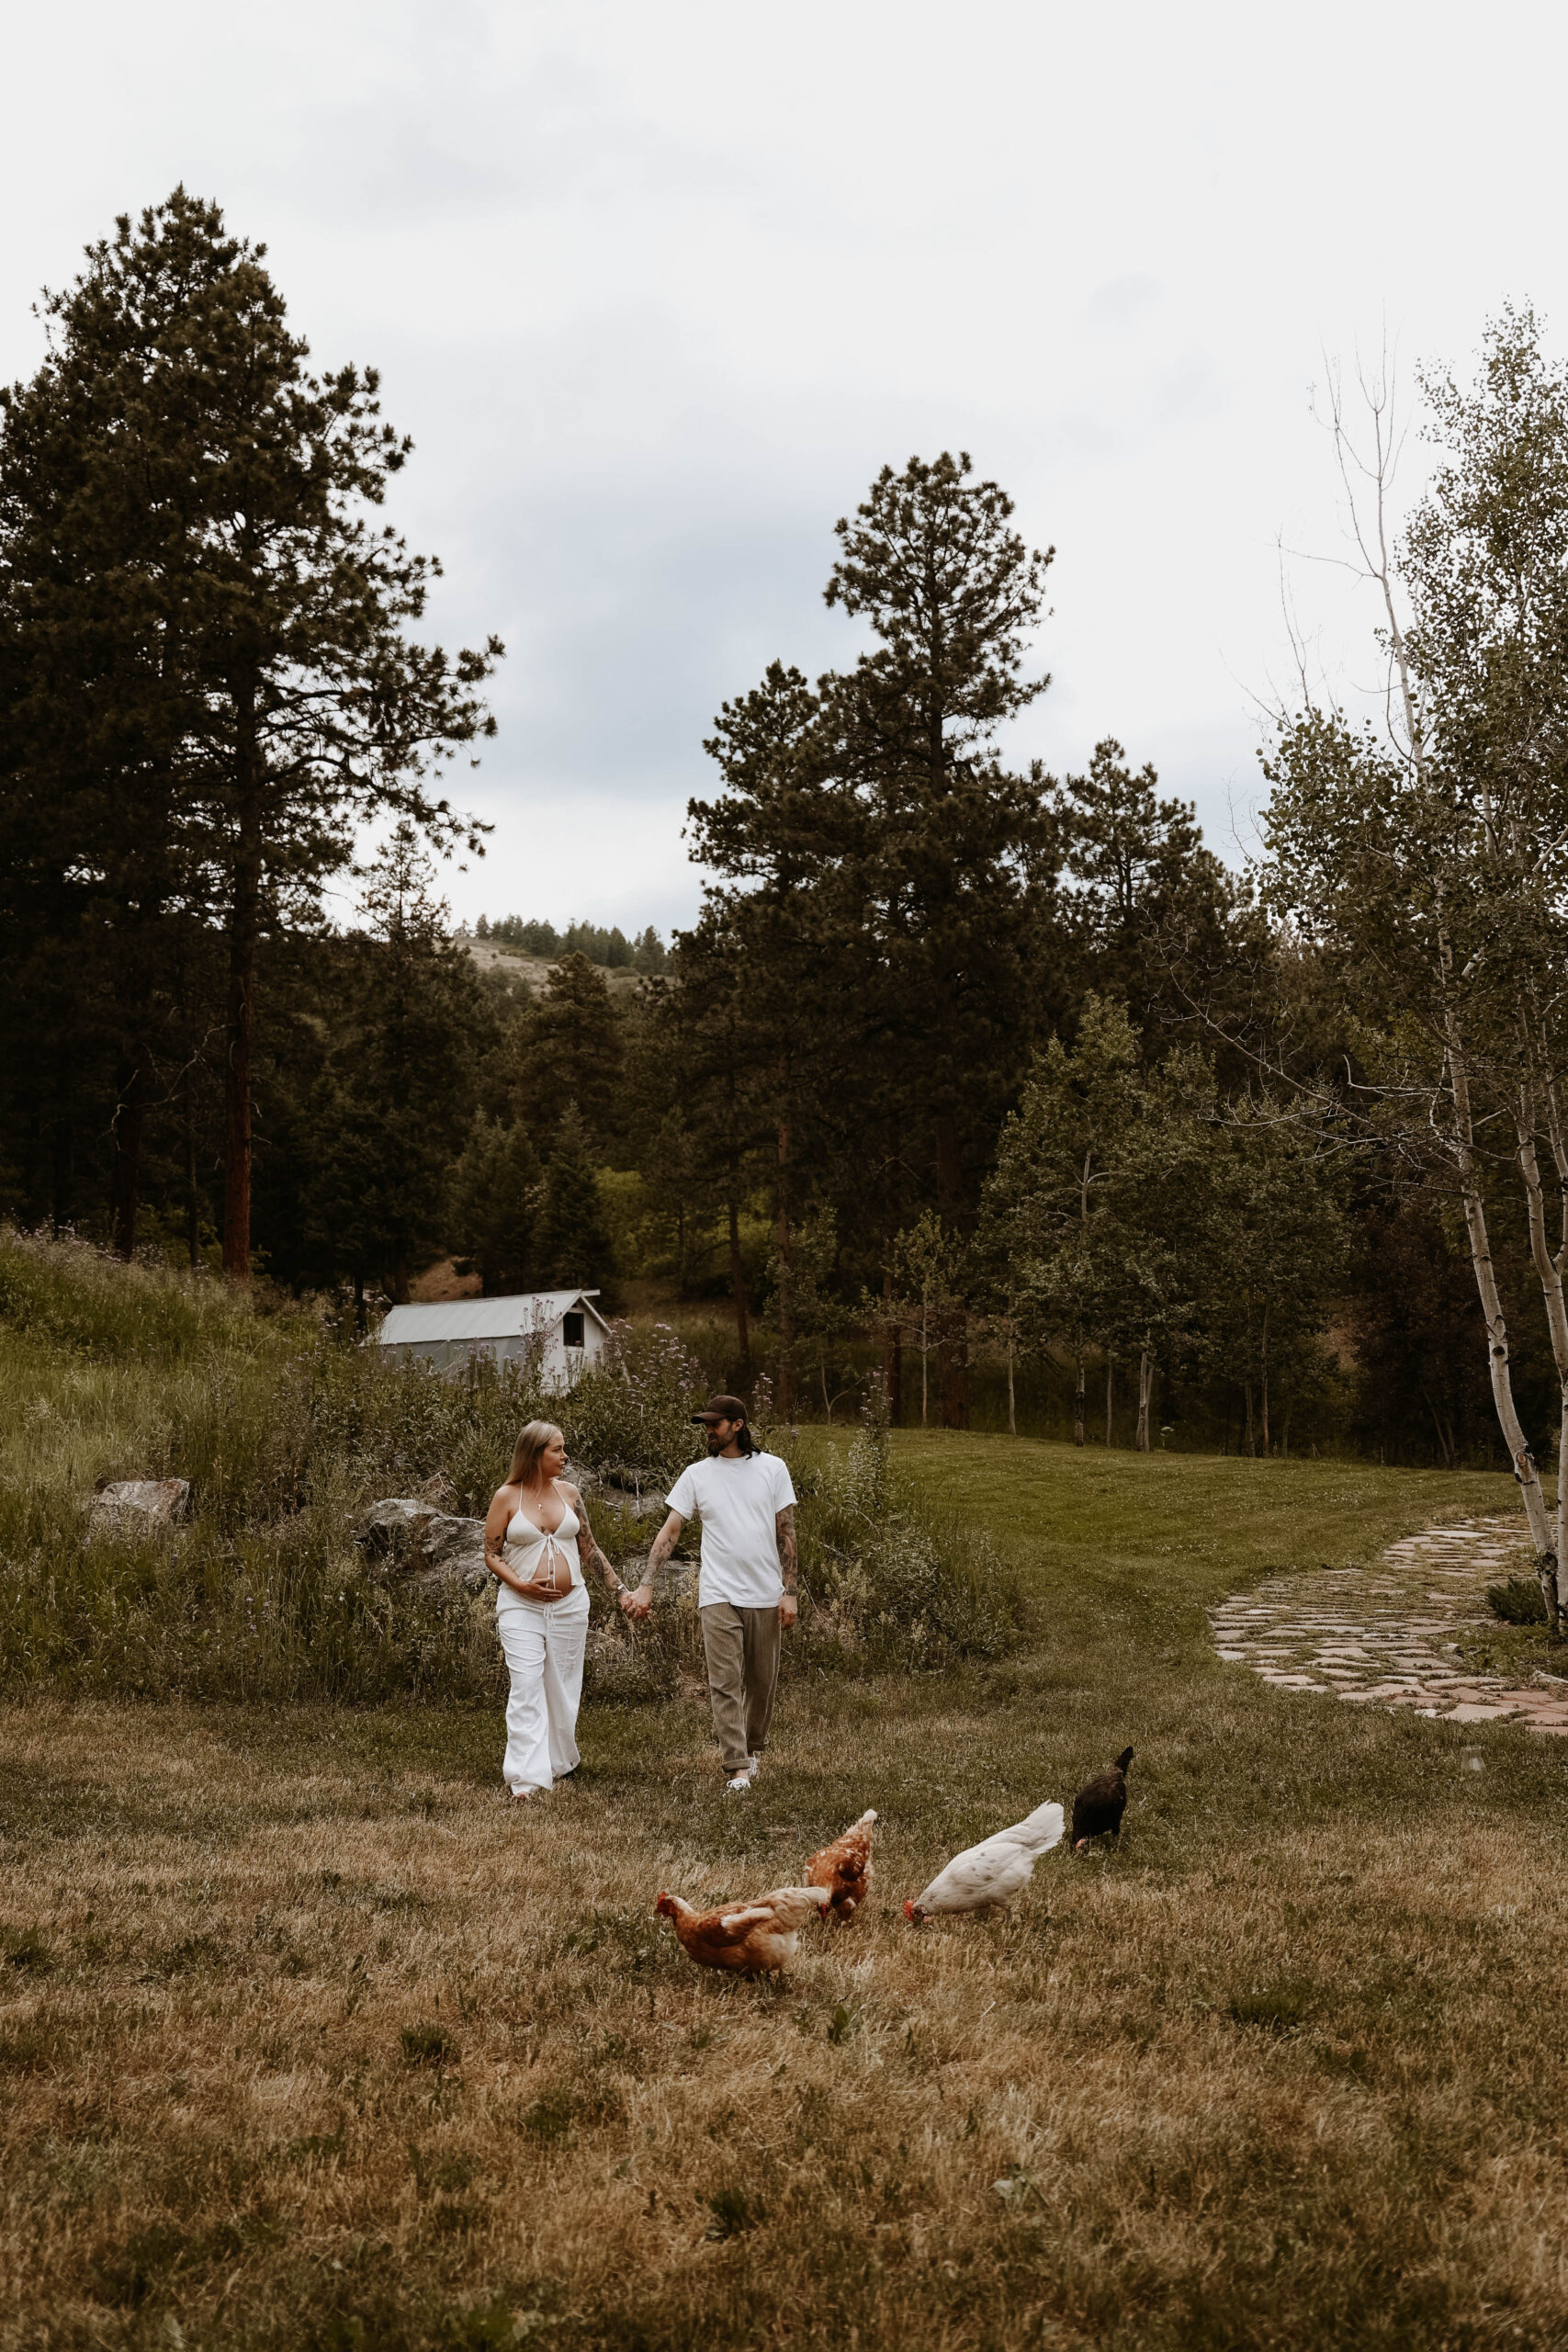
536 1542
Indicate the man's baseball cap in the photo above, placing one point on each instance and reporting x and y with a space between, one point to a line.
721 1409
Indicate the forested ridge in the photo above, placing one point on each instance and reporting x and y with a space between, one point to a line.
996 1087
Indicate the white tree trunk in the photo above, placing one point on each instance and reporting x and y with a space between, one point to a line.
1550 1273
1145 1390
1543 1531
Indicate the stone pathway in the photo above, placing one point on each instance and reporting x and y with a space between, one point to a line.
1383 1635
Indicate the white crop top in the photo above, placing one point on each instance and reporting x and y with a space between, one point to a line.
537 1553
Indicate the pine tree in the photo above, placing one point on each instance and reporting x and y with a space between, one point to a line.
889 880
720 1046
571 1054
1146 891
400 1091
494 1206
571 1242
189 551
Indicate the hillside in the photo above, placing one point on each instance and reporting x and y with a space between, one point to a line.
535 971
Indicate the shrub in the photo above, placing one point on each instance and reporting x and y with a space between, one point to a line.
285 1433
630 1417
77 1297
886 1582
628 1669
1517 1601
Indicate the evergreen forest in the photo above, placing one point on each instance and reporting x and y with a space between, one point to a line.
989 1095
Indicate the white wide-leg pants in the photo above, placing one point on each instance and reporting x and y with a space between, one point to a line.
543 1644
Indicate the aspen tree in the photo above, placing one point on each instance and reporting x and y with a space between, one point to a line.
1428 858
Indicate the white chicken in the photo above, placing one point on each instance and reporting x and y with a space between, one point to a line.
992 1873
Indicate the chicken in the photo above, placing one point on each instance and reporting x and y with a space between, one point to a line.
993 1871
1100 1804
844 1869
751 1938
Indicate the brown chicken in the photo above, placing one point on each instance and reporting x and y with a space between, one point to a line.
844 1869
753 1939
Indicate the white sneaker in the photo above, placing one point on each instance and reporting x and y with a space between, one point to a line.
737 1785
754 1765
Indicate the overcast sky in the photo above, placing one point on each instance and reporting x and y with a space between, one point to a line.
658 288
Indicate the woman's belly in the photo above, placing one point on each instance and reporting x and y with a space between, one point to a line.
574 1601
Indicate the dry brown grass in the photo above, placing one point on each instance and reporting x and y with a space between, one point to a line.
306 2038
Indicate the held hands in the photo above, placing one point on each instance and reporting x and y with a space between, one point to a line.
639 1605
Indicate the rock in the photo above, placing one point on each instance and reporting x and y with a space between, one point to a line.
138 1506
456 1548
409 1538
640 1498
679 1581
390 1530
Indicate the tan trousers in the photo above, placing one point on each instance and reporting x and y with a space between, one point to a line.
741 1646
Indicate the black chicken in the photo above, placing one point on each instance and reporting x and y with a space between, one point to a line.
1100 1804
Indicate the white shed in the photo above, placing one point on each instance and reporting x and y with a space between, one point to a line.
457 1331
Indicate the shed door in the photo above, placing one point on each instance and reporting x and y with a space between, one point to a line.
571 1331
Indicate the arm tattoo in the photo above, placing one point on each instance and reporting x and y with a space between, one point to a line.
664 1543
587 1552
784 1525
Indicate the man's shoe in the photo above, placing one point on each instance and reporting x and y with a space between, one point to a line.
737 1785
754 1765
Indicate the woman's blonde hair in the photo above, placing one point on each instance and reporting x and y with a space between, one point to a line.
532 1440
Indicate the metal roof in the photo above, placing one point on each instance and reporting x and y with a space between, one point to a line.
484 1319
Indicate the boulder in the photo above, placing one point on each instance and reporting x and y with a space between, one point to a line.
138 1506
678 1582
393 1529
456 1547
638 1496
407 1537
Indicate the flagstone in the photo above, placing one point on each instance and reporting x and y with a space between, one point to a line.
1381 1640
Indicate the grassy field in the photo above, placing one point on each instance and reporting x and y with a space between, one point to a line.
308 2040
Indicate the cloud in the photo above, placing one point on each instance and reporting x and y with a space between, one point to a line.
658 291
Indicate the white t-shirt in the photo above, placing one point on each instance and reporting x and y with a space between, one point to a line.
738 1500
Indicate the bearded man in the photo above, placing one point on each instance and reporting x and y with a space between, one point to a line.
746 1585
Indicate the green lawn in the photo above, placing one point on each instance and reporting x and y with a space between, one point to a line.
1107 1533
309 2040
